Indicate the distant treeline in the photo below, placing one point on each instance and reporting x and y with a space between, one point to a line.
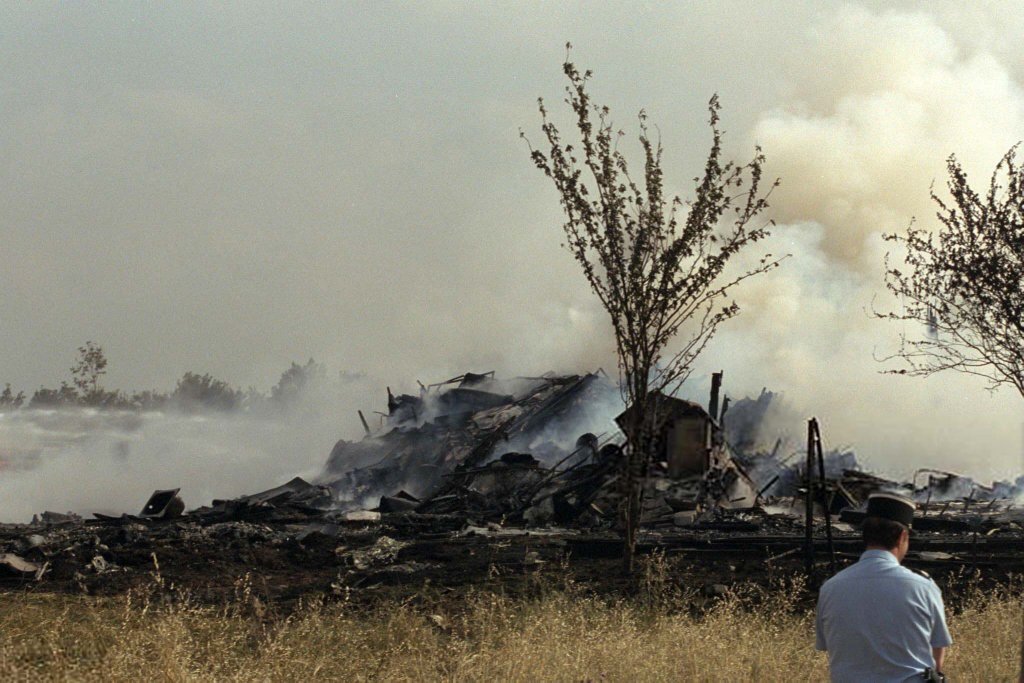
194 392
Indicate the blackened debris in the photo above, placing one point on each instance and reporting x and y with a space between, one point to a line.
477 475
163 505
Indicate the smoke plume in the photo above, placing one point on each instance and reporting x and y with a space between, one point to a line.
881 101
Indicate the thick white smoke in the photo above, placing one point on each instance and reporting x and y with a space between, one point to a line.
806 331
872 112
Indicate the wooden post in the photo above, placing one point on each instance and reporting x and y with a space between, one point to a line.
716 386
825 498
809 500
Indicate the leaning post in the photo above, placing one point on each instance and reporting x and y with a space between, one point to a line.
809 500
826 500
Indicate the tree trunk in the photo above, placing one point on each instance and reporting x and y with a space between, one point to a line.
634 468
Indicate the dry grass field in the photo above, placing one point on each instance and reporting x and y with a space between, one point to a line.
559 635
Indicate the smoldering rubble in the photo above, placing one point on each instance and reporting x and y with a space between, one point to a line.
478 472
516 452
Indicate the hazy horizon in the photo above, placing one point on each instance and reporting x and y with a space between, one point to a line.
228 189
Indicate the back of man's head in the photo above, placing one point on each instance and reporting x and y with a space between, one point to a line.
882 533
888 521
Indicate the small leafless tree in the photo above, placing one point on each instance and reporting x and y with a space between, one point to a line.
86 373
963 285
657 264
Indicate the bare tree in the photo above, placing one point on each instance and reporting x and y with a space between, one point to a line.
657 263
963 285
86 373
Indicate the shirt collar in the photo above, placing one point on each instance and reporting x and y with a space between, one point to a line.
881 555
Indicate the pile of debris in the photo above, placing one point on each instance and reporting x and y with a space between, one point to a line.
515 473
525 452
947 500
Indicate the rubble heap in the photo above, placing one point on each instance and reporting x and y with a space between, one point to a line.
476 475
525 451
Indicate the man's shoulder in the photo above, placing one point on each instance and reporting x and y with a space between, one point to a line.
919 578
859 570
841 577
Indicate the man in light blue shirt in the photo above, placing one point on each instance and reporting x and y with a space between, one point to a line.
878 620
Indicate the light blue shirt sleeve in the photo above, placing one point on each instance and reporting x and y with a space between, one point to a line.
940 633
819 628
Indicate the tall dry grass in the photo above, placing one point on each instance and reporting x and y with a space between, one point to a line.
561 635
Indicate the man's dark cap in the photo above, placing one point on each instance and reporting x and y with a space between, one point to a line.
891 506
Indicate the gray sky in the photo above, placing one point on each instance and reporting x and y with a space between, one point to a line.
230 187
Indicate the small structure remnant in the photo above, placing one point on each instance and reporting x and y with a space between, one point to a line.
687 439
690 443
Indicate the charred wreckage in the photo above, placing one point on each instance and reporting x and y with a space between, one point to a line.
478 472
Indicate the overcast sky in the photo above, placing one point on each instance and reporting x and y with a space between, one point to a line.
226 188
